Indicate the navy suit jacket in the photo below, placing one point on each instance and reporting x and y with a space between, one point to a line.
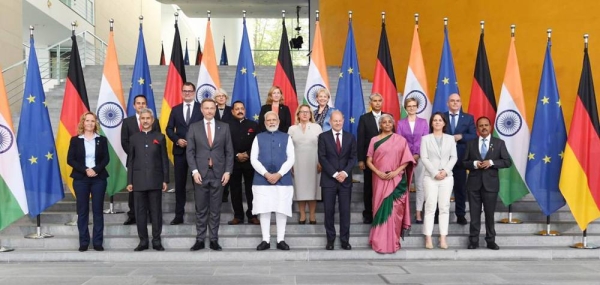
464 126
332 162
76 157
177 128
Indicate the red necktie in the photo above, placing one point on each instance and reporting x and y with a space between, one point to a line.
338 145
210 142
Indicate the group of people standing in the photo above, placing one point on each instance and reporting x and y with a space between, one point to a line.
279 163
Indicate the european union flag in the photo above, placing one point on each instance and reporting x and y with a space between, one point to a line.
446 83
245 87
39 162
548 138
224 60
141 83
349 95
186 57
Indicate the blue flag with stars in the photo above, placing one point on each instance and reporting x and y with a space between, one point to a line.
245 87
548 139
446 83
141 83
35 140
349 95
186 57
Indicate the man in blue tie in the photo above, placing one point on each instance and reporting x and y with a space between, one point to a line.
462 127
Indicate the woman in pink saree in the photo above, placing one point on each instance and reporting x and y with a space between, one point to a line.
391 161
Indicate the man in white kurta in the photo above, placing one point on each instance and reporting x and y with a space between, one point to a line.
272 157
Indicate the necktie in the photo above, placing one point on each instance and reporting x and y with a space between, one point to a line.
338 145
484 148
187 114
210 142
452 122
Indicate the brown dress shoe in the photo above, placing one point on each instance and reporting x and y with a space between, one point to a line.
235 221
254 221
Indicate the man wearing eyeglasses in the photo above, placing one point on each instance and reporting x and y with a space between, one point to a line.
181 117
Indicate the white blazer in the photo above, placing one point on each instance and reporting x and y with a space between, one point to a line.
435 158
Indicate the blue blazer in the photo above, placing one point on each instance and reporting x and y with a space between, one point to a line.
326 124
177 128
76 157
464 126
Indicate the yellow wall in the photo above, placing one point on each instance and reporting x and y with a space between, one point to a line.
569 20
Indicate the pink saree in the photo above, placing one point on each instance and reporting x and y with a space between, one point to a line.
391 209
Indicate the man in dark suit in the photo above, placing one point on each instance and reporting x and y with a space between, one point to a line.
337 152
368 127
210 157
131 126
223 114
462 127
483 158
180 118
147 175
243 132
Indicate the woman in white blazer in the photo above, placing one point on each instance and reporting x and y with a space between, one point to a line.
438 156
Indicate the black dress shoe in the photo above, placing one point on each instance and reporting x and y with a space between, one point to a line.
282 245
346 246
367 220
197 246
214 245
83 248
492 245
141 247
263 245
473 245
129 221
461 220
329 245
158 247
177 221
98 248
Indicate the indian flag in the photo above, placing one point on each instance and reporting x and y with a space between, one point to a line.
317 72
13 202
511 126
111 113
208 76
416 80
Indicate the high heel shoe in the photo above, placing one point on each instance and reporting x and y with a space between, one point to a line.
313 222
302 222
428 243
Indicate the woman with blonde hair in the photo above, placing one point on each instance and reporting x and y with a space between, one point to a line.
275 103
323 112
305 136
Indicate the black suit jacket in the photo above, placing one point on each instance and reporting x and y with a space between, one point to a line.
131 126
332 162
242 136
147 162
227 115
488 178
465 126
367 129
285 118
76 157
177 128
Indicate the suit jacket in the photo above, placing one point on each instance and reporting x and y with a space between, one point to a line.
285 118
131 126
177 128
435 158
488 178
76 157
147 162
413 138
332 162
227 116
367 129
198 151
242 136
464 126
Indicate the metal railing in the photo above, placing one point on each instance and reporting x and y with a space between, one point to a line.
85 8
55 64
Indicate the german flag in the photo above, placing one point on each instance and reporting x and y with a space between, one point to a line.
175 79
284 74
579 179
162 54
483 100
75 103
384 81
199 54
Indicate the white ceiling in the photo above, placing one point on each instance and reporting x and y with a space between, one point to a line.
233 8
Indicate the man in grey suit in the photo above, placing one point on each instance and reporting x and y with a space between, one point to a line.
210 157
483 157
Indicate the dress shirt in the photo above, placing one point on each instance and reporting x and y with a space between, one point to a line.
487 144
377 117
90 150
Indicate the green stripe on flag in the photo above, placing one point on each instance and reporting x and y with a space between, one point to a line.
512 185
10 210
117 179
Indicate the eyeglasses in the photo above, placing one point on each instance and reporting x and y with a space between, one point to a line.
187 91
304 112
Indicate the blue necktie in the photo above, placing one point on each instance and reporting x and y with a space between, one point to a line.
484 149
452 122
